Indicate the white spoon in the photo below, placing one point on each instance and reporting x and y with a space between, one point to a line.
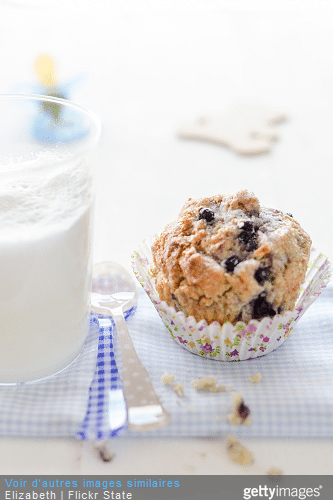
114 292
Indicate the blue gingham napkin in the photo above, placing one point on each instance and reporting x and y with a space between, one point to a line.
56 406
294 397
79 401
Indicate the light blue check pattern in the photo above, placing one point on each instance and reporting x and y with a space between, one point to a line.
294 398
54 407
97 424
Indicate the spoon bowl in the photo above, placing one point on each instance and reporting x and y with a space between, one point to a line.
113 293
112 287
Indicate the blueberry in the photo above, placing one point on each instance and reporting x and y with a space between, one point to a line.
243 410
248 236
247 226
262 308
252 243
248 240
262 274
207 214
175 304
231 263
290 215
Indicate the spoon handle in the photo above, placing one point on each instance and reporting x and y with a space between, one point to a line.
144 409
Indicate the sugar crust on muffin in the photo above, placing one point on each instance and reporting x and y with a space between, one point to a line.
227 259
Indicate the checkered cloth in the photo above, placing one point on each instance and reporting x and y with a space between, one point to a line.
54 407
294 397
106 411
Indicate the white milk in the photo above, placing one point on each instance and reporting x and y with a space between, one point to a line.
45 263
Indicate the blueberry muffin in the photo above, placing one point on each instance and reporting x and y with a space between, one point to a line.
227 259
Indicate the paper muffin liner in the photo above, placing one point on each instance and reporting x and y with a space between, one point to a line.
229 342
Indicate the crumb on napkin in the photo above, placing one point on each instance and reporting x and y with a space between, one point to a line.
256 378
240 412
169 379
207 384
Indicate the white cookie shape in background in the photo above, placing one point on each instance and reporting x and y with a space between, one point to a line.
246 128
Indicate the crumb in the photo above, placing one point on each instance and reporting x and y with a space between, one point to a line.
190 409
167 378
256 378
203 454
104 453
238 453
178 388
219 388
207 384
274 471
191 468
274 474
241 412
247 422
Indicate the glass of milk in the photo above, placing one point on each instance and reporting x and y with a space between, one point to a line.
46 201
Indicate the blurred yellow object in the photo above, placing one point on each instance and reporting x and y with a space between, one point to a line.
45 69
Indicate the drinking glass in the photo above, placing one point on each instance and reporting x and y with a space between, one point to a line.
47 148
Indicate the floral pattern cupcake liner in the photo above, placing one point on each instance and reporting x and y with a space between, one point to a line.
229 342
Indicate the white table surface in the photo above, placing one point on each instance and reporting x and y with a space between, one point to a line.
149 66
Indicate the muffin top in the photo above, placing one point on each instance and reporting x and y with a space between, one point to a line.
227 259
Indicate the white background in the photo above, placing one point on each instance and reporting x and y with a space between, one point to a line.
147 67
